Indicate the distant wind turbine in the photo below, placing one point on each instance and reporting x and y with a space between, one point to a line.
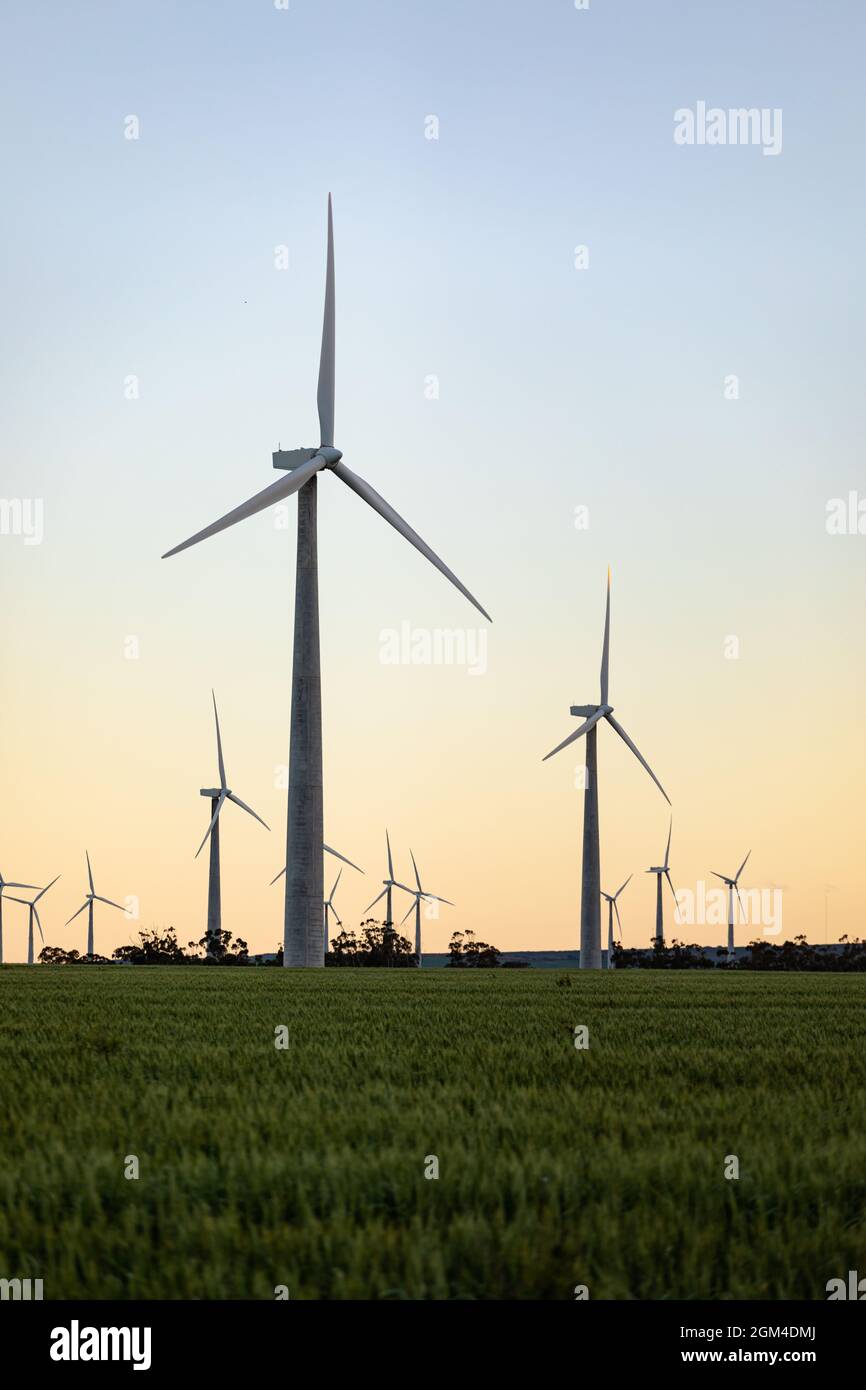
218 796
663 871
612 908
34 914
419 893
303 941
329 907
390 883
733 886
6 883
590 900
92 897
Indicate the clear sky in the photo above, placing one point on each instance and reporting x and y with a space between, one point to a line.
558 388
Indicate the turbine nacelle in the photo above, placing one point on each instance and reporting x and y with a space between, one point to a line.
293 458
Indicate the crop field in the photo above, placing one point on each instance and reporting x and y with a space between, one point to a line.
304 1165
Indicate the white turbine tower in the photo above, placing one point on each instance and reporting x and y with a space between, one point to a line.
590 899
733 886
92 897
662 871
419 893
303 939
34 915
612 908
218 796
4 884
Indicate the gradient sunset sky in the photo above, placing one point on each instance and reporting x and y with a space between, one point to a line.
558 388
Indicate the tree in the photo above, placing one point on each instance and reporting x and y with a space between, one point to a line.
467 953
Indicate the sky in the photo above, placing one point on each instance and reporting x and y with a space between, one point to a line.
680 400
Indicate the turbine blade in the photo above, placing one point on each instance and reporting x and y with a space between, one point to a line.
222 766
274 492
375 900
409 913
415 867
19 885
433 898
618 922
337 855
325 391
220 800
244 807
622 885
742 866
641 759
45 889
578 732
605 651
75 914
38 923
740 901
334 889
671 886
372 498
96 898
279 875
668 849
89 872
721 876
405 887
390 860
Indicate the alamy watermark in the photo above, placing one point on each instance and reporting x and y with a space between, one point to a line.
23 516
423 646
739 125
707 906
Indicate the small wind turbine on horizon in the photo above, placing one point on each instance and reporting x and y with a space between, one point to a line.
662 871
7 883
419 893
303 939
590 899
733 886
390 883
34 914
329 907
92 897
218 796
612 908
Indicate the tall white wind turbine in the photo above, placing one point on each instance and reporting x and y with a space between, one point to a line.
419 893
662 871
92 897
33 916
733 886
303 938
610 899
329 908
218 796
590 899
4 884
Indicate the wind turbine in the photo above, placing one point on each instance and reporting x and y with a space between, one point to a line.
329 907
92 897
218 796
418 894
390 882
5 883
662 871
34 913
733 887
612 908
303 941
590 899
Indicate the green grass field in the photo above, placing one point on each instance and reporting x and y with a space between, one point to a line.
305 1167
